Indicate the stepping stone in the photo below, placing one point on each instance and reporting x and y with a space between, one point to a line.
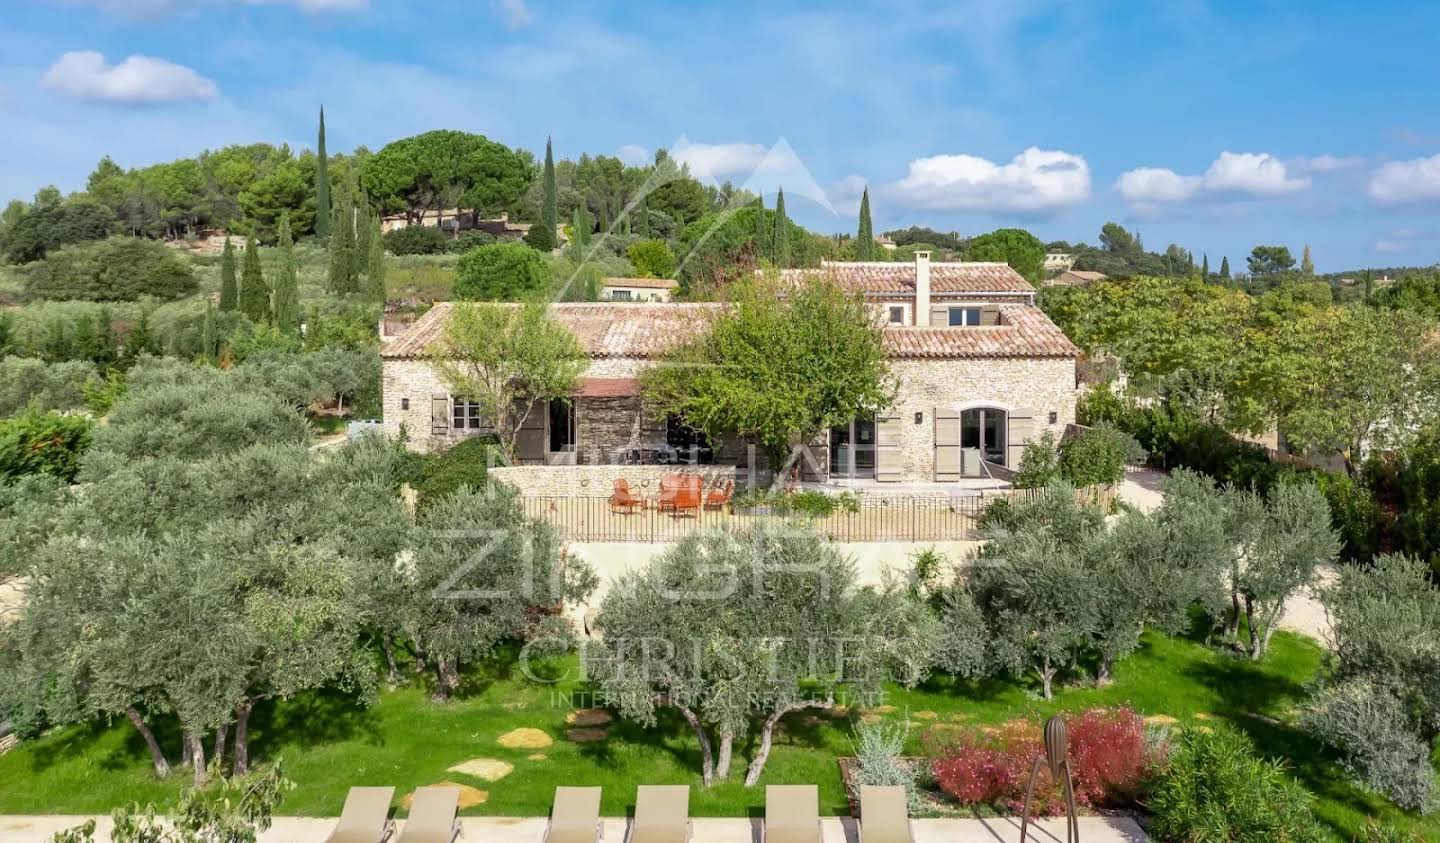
870 717
838 711
588 717
525 738
539 756
925 715
1204 715
1161 720
959 715
489 769
884 709
469 796
587 735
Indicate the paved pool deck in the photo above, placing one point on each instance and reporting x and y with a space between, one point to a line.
25 829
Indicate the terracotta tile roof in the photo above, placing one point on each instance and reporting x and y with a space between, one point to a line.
644 283
879 278
1023 331
644 331
607 387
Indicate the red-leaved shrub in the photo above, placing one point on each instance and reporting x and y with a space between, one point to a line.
991 766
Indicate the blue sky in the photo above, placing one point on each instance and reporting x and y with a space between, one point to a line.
1214 125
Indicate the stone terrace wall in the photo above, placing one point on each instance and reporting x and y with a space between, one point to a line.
599 480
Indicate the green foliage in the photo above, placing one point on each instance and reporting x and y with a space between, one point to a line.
1417 293
1015 246
1098 456
1216 790
28 381
880 759
322 183
1039 463
42 229
229 278
375 270
1268 262
780 242
468 240
502 272
866 249
652 259
254 292
445 168
722 247
416 240
462 466
287 285
343 279
1377 741
42 442
739 377
283 193
808 502
118 269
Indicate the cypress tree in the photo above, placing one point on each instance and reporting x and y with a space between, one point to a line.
322 184
287 283
1369 284
581 223
106 341
865 236
342 247
375 261
363 232
543 239
763 241
782 231
1205 268
644 212
209 339
1225 268
1307 266
254 294
229 289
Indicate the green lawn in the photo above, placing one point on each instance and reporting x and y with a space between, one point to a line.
407 741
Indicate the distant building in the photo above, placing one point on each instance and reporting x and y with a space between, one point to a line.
886 243
638 289
1058 261
453 221
1077 278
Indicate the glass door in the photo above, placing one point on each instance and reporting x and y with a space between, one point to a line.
852 449
983 430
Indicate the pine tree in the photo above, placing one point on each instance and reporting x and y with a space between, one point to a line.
287 283
865 245
1205 268
782 231
1225 268
209 336
254 294
1307 266
542 235
229 289
342 247
322 184
375 261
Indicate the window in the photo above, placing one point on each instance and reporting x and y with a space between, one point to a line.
964 317
897 314
466 415
619 295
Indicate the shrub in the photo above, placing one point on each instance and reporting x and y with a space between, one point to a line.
880 760
1039 463
463 465
467 240
1215 788
48 386
43 442
652 258
118 269
1098 456
807 502
1371 729
1109 761
416 240
502 272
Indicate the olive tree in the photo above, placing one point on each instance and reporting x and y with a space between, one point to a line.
736 630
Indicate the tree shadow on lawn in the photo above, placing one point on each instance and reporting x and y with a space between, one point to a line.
1245 687
309 720
670 734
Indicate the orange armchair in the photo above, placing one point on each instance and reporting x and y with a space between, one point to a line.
720 498
621 499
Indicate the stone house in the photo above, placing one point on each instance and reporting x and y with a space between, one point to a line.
638 289
979 371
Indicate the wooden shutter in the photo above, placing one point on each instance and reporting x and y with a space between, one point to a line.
947 444
1018 431
531 440
939 315
990 314
814 461
888 455
439 414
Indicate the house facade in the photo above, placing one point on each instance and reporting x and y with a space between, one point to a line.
638 289
979 372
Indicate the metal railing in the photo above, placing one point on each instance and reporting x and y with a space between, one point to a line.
880 519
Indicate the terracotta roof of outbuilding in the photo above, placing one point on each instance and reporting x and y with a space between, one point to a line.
643 283
881 278
648 330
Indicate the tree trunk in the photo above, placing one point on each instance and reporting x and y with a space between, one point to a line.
767 734
187 754
217 751
1253 629
1232 623
447 677
393 677
197 756
722 760
1102 674
157 755
1047 680
242 737
707 761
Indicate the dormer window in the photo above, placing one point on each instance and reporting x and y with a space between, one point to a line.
964 317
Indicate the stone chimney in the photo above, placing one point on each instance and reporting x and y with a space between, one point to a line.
922 289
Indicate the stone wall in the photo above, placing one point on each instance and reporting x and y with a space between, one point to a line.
599 480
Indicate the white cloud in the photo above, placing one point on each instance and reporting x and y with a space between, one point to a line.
1331 163
635 155
138 80
1035 181
1157 184
515 12
716 160
1252 174
1402 182
1256 174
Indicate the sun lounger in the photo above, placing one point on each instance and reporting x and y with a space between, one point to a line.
792 813
662 814
365 817
432 816
575 817
884 815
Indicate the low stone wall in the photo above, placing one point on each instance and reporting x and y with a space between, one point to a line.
599 480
